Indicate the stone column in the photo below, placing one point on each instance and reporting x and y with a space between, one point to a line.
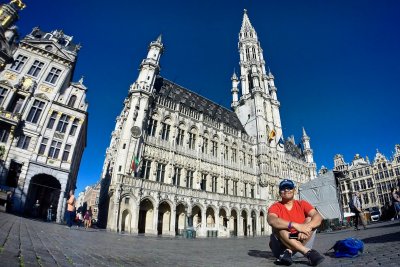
258 225
204 221
217 221
115 226
155 220
240 224
135 217
61 204
172 221
228 226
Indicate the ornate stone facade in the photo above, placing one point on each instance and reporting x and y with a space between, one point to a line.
373 180
179 161
43 123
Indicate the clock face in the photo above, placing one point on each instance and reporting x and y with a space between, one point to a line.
136 131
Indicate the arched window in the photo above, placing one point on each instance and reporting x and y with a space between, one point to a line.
72 101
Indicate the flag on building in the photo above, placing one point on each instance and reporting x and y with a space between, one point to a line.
281 143
271 135
135 164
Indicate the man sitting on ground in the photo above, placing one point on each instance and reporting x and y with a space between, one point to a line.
293 216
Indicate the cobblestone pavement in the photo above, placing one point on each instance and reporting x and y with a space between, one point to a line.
25 242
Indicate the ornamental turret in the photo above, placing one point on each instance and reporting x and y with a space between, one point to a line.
235 90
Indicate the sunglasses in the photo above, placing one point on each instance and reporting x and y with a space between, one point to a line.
286 189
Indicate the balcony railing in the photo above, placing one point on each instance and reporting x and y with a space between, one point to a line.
13 118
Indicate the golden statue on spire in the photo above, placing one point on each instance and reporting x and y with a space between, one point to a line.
17 3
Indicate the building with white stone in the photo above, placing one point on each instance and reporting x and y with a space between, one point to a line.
179 161
43 122
373 180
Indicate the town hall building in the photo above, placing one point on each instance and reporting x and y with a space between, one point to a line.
179 161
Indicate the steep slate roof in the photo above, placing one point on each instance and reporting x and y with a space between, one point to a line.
178 94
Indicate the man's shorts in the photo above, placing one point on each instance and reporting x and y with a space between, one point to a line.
278 248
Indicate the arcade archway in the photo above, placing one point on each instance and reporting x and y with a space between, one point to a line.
146 213
164 218
43 194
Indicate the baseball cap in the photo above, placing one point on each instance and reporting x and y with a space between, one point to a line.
286 183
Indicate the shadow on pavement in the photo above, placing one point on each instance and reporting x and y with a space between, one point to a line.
261 254
397 224
393 237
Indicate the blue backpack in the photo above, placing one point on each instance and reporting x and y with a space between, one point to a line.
349 248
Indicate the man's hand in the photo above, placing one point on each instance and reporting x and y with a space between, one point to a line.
302 236
303 228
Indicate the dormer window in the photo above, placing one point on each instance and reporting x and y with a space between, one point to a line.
72 101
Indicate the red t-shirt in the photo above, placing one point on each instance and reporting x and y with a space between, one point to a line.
297 214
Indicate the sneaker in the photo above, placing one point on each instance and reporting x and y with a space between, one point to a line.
285 258
314 258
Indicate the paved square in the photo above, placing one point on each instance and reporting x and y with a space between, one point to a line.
25 242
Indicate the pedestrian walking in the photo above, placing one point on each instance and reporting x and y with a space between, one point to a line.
36 207
88 218
358 211
294 226
50 213
396 201
70 208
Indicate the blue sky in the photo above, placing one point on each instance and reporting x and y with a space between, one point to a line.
336 63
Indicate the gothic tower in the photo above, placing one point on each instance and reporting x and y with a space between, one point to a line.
258 106
308 153
131 121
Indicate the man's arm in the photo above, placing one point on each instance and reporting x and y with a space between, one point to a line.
281 224
70 200
276 222
316 218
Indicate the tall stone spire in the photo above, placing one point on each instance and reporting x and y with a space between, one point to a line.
304 133
159 39
258 91
307 147
150 67
246 24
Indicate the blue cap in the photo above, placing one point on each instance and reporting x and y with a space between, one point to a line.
286 183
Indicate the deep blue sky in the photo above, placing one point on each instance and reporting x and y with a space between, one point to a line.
336 63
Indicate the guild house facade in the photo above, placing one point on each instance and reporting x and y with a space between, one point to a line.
373 180
43 123
179 161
